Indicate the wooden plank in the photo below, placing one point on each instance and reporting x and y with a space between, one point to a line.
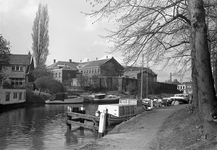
94 127
83 116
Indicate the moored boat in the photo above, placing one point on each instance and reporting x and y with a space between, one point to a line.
9 97
125 109
103 98
63 98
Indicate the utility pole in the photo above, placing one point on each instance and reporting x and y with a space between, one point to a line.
147 79
142 77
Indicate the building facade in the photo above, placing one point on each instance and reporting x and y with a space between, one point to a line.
104 67
19 70
185 87
63 71
136 72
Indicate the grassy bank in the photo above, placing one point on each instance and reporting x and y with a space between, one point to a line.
182 131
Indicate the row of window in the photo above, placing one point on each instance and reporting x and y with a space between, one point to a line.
182 87
55 75
16 95
88 71
17 81
17 68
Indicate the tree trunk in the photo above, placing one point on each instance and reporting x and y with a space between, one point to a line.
215 69
195 102
215 61
205 90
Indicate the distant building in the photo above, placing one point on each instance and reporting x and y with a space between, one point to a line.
103 67
135 73
63 71
19 70
186 87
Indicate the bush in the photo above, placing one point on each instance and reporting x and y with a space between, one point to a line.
55 86
31 97
48 84
132 88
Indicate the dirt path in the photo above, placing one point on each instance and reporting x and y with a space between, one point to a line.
137 133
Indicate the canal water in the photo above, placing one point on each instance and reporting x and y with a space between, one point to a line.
42 128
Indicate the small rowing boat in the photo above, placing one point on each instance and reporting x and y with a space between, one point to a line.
63 98
102 98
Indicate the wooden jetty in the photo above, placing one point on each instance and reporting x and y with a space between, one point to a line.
79 119
77 116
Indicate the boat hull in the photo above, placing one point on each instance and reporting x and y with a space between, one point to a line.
6 107
118 113
113 120
12 97
78 100
106 101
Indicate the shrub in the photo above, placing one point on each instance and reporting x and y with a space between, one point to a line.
48 84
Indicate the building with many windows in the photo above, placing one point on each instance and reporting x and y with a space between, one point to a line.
63 70
66 70
103 67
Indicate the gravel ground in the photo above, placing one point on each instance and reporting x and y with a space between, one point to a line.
138 133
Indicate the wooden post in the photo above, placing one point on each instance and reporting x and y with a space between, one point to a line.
69 126
82 111
102 123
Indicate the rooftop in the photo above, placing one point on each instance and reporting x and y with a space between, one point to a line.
20 59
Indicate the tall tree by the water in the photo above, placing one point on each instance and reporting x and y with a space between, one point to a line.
40 36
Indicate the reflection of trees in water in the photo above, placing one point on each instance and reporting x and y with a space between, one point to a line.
78 136
10 123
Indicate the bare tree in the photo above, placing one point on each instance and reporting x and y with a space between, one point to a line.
40 36
170 32
159 29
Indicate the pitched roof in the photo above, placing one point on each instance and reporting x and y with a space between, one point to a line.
72 65
131 70
20 59
91 64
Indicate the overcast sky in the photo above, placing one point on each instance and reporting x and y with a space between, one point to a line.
72 34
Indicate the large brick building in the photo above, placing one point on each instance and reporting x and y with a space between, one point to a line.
65 70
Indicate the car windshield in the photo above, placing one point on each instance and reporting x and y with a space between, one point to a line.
180 95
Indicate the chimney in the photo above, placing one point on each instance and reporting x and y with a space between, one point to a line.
171 77
70 60
54 61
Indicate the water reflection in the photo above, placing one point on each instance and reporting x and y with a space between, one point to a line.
79 136
41 128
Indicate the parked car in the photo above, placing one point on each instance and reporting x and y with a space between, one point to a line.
178 100
185 96
157 103
166 101
147 103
